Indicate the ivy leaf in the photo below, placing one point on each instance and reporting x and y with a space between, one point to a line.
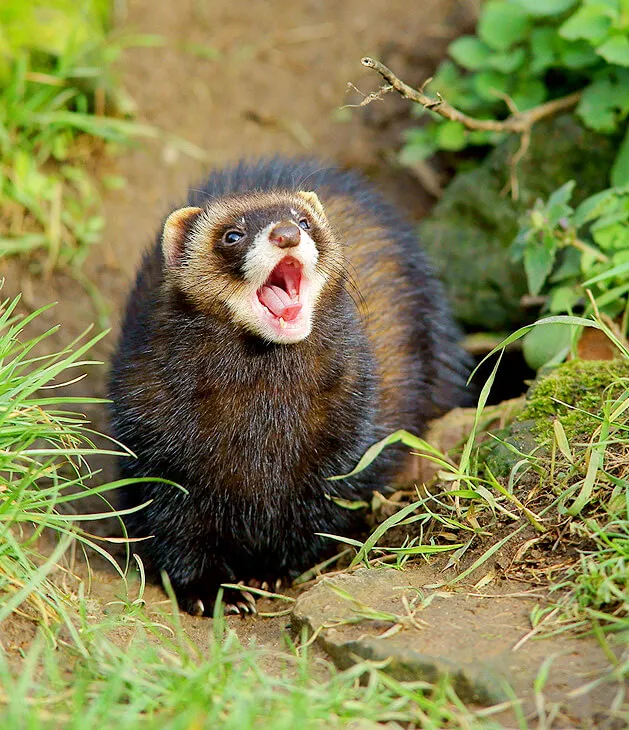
501 24
620 168
470 52
538 262
536 8
576 54
615 50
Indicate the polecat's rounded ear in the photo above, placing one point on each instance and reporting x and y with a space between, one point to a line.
313 200
176 229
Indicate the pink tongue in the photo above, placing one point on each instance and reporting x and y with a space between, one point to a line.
279 303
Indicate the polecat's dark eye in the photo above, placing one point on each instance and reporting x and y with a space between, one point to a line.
304 223
232 236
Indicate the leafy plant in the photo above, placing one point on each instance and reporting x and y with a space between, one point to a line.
568 252
525 53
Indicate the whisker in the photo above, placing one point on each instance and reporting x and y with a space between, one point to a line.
331 269
305 178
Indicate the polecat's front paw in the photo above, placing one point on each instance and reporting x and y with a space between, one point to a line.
235 602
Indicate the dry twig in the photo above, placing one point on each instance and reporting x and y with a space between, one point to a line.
518 122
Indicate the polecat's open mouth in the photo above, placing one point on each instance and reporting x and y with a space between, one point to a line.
280 292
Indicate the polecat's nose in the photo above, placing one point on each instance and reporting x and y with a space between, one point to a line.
285 235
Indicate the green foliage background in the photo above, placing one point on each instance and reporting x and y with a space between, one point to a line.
526 53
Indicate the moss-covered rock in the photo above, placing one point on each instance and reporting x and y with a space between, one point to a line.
471 228
575 393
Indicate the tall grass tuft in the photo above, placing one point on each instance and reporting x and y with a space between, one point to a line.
44 471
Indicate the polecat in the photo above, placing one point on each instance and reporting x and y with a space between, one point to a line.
285 320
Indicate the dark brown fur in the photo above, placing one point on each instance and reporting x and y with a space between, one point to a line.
253 429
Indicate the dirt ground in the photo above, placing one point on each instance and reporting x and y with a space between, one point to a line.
275 84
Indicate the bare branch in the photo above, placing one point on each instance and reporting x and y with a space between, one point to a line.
367 98
518 122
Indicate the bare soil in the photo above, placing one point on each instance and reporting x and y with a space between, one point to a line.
275 84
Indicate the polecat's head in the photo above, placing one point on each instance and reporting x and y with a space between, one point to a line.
262 258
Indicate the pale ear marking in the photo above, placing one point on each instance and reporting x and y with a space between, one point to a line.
313 200
176 229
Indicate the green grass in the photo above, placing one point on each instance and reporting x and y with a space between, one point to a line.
571 487
139 670
135 670
159 679
43 467
61 108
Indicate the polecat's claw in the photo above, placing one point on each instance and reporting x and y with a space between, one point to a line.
197 608
231 609
250 601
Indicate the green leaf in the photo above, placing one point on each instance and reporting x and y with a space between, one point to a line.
451 136
563 299
546 321
542 49
538 262
612 236
569 267
620 168
490 84
508 61
543 344
576 54
421 144
454 86
557 206
619 270
501 24
594 206
591 22
615 50
562 195
616 213
545 8
529 93
597 107
470 52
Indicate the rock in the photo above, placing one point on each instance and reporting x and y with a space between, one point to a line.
471 228
411 654
471 637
